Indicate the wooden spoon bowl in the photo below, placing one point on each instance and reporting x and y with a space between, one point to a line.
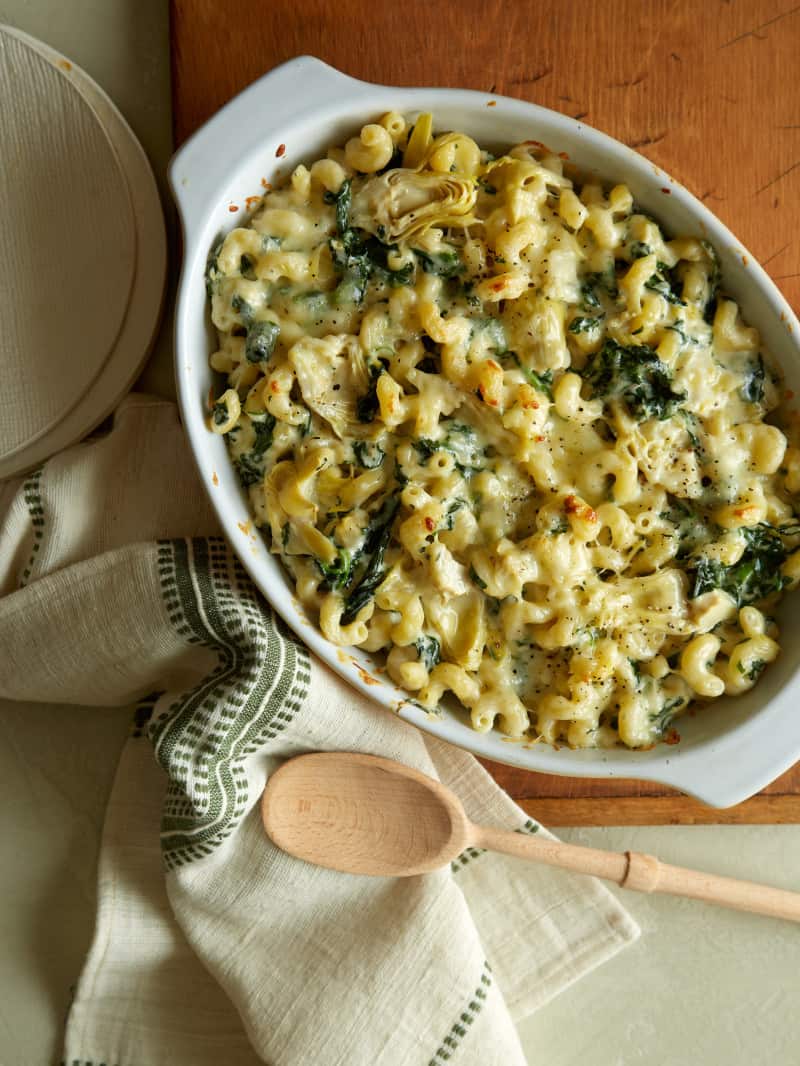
365 815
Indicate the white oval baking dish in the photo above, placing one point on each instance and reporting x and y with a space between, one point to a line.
727 751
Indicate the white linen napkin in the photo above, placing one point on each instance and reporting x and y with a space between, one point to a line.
116 589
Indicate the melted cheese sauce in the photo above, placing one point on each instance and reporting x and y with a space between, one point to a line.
499 427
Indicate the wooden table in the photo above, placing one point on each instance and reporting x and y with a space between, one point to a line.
706 89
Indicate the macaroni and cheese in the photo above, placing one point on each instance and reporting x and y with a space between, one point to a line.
502 429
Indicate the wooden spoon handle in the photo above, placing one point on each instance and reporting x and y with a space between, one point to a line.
644 873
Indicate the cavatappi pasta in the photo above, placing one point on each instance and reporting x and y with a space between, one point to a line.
499 427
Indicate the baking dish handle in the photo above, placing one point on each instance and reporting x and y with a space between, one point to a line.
200 168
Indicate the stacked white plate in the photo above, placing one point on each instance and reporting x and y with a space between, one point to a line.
83 260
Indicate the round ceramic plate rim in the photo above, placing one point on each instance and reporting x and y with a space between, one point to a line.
43 433
146 298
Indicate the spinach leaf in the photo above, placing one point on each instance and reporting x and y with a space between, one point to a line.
638 249
690 527
212 269
219 413
476 579
358 257
443 264
636 374
348 256
376 253
692 431
460 441
543 382
677 327
581 324
243 309
344 201
353 265
752 390
250 465
397 278
754 671
263 430
250 472
756 575
425 447
708 574
428 650
589 299
368 454
663 718
664 287
450 515
367 406
596 283
247 267
375 545
337 573
261 339
714 280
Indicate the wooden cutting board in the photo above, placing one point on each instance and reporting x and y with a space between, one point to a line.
707 90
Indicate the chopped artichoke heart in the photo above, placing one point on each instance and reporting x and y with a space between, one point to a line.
332 374
399 204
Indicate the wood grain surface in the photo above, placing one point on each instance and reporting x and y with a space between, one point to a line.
706 89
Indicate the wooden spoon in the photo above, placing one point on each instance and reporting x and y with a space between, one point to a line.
365 815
